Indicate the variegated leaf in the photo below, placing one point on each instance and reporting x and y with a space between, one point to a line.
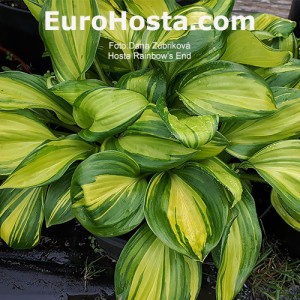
149 142
164 43
104 112
279 165
35 7
219 7
116 65
277 26
20 133
211 52
118 5
149 8
20 90
292 218
58 204
290 44
191 131
287 75
129 39
71 89
108 194
48 162
72 51
216 146
21 216
247 137
148 82
187 209
225 175
238 251
118 35
147 269
259 54
150 123
153 154
227 89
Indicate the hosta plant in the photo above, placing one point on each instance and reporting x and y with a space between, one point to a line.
166 148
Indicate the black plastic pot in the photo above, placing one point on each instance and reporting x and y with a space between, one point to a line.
20 35
295 15
113 246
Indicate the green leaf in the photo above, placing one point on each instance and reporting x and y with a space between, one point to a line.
20 133
277 26
187 209
149 123
216 146
108 194
287 44
19 90
225 175
275 32
72 51
259 54
48 162
35 7
70 90
177 43
247 137
129 39
238 251
148 82
292 218
219 7
58 204
104 112
119 64
227 89
279 165
149 142
287 75
21 216
147 269
217 251
118 5
211 52
153 154
146 8
191 131
117 35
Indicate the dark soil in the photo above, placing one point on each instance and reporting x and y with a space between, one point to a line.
14 3
21 47
67 264
10 61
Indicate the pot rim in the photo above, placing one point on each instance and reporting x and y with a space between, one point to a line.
16 9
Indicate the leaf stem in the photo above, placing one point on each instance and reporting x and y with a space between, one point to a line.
100 72
252 177
145 63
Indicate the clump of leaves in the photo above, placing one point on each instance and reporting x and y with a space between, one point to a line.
160 146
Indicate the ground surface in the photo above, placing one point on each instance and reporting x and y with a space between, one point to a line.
276 7
66 265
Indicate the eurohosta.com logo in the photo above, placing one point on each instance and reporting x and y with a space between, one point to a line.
55 21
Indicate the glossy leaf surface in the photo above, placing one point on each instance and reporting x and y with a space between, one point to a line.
21 216
187 209
148 269
108 194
